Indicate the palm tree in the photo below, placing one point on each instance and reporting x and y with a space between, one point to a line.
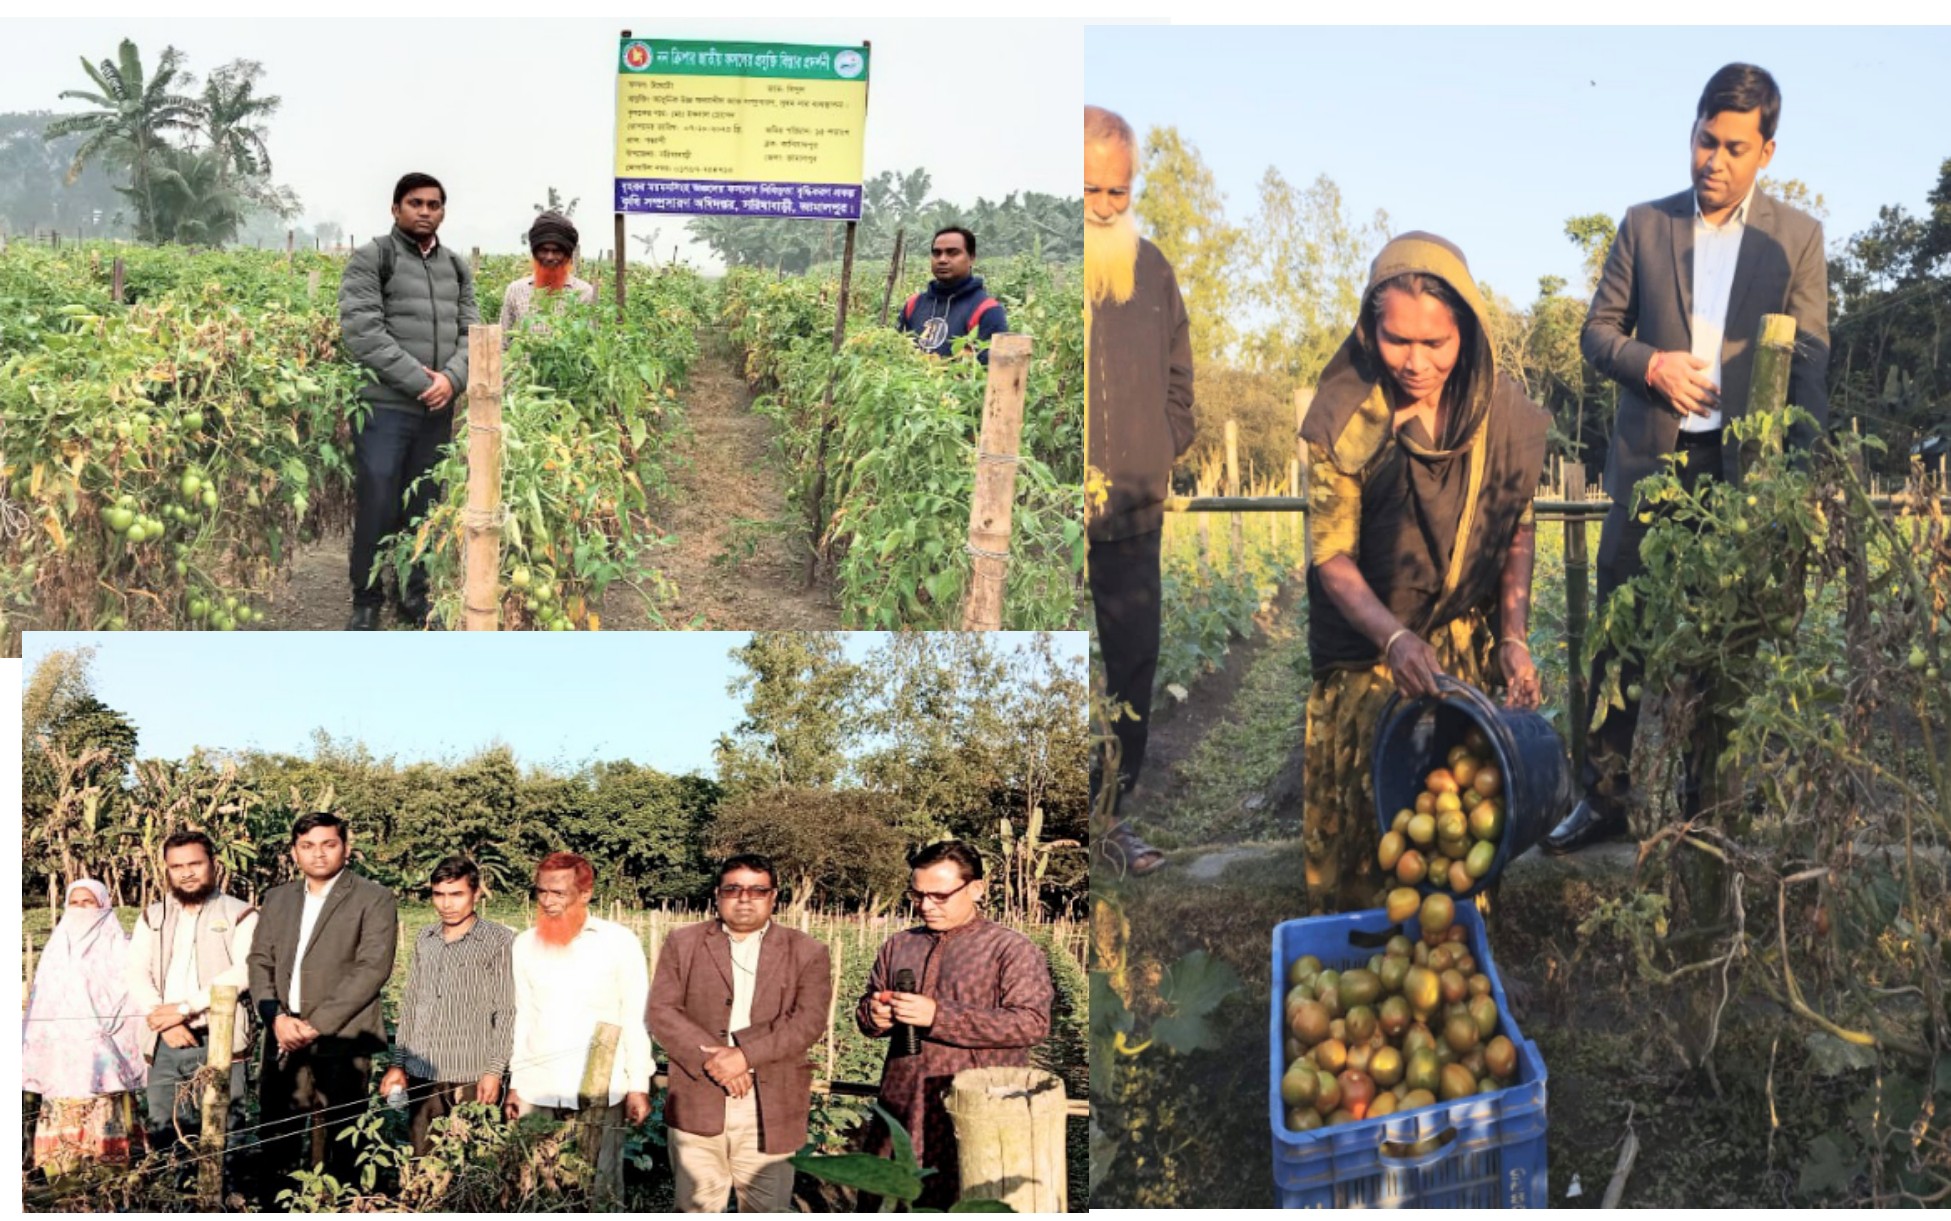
193 204
133 112
232 120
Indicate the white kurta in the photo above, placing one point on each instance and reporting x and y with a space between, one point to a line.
560 996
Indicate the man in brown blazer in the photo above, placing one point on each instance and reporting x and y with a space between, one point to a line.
1673 323
736 1003
322 954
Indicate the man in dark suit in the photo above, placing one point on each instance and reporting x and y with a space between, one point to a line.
736 1003
1674 323
323 952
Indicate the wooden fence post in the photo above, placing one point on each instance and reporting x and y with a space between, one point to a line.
481 525
995 489
216 1098
117 280
622 261
1576 605
893 274
1294 489
311 288
1009 1136
593 1095
833 999
1237 535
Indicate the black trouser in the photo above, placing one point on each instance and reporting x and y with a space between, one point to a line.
175 1108
1609 748
1125 595
430 1101
389 454
308 1099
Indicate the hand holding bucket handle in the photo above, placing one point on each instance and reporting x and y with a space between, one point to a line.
1413 664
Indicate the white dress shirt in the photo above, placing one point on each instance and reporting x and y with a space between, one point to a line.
1716 249
307 924
745 974
560 996
180 972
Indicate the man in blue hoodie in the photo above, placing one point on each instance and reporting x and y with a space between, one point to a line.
953 304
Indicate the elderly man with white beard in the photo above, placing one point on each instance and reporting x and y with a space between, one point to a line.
1138 380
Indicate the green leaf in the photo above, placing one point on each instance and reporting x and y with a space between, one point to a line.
1831 1164
1104 1151
980 1206
904 1146
864 1173
1192 988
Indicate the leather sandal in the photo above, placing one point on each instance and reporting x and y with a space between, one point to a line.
1125 852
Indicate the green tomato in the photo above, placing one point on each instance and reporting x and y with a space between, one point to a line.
210 498
193 421
119 519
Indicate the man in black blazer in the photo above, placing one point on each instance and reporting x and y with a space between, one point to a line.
1674 323
322 955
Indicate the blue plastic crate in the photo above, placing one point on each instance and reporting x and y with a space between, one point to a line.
1485 1151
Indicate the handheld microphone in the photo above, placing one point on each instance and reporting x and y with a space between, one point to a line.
906 1042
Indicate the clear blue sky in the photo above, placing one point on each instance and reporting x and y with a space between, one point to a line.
1494 136
657 698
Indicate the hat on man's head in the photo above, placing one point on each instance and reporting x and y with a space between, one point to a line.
552 227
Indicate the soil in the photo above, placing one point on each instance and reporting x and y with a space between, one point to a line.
735 558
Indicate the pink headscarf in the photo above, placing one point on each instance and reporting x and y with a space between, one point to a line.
79 1039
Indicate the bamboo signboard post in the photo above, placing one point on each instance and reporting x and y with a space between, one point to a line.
481 524
995 490
680 108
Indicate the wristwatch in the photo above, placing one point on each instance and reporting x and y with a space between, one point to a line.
183 1008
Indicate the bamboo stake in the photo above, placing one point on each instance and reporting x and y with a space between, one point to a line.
893 273
995 492
833 1000
816 507
116 281
593 1095
216 1097
481 525
1577 591
311 289
620 261
1237 537
1294 490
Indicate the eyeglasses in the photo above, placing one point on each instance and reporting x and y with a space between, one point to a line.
746 892
921 898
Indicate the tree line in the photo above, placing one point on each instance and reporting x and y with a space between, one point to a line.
1272 296
836 770
190 165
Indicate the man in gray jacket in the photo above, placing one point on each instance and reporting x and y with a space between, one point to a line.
405 306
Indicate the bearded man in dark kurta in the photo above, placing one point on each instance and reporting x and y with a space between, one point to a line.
982 999
1423 459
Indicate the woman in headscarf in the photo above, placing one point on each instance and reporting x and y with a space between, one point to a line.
79 1046
1423 459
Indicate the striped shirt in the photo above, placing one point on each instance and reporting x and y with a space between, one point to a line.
457 1019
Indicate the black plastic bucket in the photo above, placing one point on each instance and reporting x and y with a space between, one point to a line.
1414 736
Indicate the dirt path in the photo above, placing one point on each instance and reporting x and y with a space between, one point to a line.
738 559
735 557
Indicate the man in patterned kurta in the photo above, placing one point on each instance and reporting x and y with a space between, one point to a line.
982 999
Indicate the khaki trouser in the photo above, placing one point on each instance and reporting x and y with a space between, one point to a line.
708 1168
